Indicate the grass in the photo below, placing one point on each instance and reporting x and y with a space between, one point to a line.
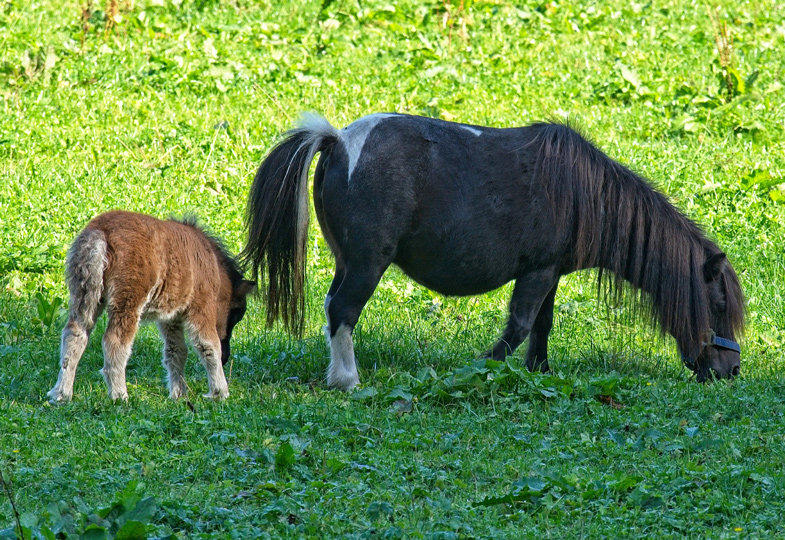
170 110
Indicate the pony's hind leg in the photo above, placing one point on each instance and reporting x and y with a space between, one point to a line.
117 342
72 346
175 355
337 280
528 295
84 270
208 346
343 310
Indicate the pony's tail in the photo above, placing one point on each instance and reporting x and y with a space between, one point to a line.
84 270
277 219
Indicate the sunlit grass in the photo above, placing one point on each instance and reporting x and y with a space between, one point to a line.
172 110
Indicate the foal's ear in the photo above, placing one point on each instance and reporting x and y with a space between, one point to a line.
246 287
714 266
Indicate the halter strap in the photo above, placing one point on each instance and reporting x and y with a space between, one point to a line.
715 341
725 343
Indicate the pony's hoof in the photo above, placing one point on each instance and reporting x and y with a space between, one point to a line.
176 391
538 367
119 396
176 394
56 396
217 395
343 381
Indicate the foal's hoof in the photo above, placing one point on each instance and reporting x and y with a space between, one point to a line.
56 396
177 393
217 395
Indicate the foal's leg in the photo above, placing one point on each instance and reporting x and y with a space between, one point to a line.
208 346
527 296
343 311
337 280
118 339
72 345
537 355
175 355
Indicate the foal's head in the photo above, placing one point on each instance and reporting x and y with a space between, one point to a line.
720 355
235 312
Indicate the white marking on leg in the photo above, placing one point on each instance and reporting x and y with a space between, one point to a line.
116 356
474 131
326 327
210 354
342 372
72 346
216 381
353 136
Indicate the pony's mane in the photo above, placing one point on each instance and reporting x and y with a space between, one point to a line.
618 223
227 260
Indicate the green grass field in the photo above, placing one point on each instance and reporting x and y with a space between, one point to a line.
170 109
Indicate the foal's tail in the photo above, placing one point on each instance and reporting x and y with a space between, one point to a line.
277 219
84 271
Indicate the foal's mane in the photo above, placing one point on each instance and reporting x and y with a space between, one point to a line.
617 222
226 259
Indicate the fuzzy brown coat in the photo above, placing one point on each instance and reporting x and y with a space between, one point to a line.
138 268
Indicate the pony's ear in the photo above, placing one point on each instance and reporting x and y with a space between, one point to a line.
246 287
714 266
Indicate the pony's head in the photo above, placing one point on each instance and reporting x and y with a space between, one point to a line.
237 306
720 355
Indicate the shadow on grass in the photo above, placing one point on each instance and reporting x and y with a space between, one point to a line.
29 355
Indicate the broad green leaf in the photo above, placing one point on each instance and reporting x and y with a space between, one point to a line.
284 457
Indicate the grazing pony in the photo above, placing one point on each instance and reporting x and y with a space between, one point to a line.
138 267
465 209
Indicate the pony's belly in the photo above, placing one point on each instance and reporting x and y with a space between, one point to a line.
160 307
455 278
155 314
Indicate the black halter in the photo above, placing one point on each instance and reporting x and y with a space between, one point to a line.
724 343
715 341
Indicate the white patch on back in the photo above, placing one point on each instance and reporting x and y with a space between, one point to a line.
354 135
474 131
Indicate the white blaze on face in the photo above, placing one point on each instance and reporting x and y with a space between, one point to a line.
353 136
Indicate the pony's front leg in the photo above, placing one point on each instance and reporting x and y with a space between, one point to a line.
528 295
208 346
537 354
343 309
175 355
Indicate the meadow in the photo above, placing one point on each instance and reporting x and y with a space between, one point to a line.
168 106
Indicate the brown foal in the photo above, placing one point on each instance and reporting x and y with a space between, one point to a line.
138 268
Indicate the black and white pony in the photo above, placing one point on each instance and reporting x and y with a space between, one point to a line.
464 209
